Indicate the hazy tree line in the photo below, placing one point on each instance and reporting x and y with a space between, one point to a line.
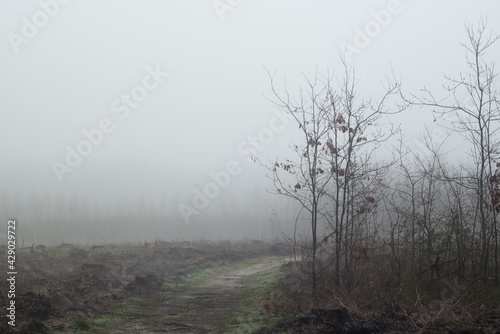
409 216
45 218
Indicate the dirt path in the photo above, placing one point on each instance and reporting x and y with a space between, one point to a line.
197 309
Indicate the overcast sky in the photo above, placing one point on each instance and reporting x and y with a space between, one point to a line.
194 73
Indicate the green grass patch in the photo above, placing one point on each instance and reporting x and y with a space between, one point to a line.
85 325
249 315
131 306
80 323
135 300
106 321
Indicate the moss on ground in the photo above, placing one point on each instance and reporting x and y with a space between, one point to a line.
250 315
101 323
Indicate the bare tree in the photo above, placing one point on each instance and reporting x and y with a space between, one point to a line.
332 175
473 110
304 178
356 134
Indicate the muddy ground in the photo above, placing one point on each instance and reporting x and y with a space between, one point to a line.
198 309
130 288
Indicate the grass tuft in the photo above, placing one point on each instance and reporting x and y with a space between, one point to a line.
249 315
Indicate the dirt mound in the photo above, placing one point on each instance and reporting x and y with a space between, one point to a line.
91 278
106 257
77 253
35 306
35 326
144 285
186 252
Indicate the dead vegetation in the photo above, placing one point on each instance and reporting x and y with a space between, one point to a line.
62 288
375 304
408 243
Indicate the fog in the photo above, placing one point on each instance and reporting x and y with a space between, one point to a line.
116 115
